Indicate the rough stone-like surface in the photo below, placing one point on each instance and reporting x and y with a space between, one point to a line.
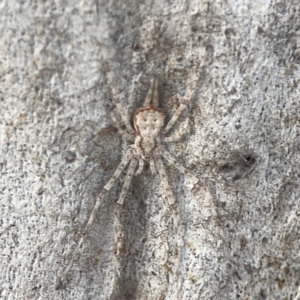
59 147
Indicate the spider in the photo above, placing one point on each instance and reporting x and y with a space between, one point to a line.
146 140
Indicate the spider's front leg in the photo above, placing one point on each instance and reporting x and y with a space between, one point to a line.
178 135
190 90
118 104
124 133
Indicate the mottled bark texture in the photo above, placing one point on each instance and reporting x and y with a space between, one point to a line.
238 232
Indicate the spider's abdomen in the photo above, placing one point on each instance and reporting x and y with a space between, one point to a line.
149 121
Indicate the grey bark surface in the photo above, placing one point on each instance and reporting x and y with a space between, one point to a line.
238 230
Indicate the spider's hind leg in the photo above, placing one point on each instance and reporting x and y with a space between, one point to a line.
169 193
177 165
118 238
127 181
107 187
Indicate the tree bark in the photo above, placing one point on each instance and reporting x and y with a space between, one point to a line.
237 65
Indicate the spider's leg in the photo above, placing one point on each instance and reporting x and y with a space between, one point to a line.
190 89
141 166
169 193
119 106
195 180
127 157
170 124
163 176
176 164
152 166
137 144
106 188
152 96
127 136
127 180
178 136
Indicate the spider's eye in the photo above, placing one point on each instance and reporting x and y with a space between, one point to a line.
145 120
154 120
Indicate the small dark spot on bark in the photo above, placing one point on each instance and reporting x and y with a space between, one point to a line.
136 47
280 283
249 160
262 295
264 241
287 270
260 30
243 242
40 191
194 28
226 167
70 156
107 131
227 31
236 177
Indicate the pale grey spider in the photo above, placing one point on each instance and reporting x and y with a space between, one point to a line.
146 138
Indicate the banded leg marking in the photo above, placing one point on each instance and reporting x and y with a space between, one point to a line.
107 187
152 166
117 102
178 136
152 96
170 124
120 168
176 164
163 176
127 180
129 137
141 166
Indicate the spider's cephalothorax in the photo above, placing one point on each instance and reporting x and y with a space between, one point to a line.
148 136
148 123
